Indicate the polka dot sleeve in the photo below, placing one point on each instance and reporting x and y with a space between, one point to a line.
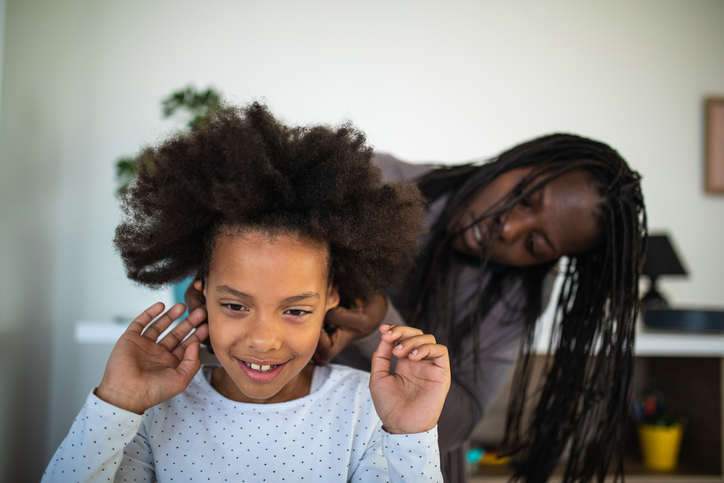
93 449
401 458
412 457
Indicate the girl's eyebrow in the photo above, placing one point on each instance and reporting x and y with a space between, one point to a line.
228 290
300 297
295 298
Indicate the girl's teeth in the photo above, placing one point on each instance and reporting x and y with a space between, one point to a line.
259 368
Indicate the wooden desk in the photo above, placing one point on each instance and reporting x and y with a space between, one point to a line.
688 367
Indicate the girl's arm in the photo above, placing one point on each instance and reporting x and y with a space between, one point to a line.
399 458
141 372
104 443
408 403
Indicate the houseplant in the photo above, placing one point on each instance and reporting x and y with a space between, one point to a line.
193 104
659 430
187 103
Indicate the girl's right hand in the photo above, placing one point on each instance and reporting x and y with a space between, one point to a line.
141 372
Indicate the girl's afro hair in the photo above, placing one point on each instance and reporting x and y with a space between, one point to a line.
244 168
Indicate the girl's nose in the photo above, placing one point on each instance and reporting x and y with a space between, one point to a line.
264 334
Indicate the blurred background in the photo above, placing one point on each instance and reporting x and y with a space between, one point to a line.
82 82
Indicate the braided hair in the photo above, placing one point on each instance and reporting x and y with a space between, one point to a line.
593 334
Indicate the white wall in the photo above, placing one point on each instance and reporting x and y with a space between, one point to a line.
430 80
2 37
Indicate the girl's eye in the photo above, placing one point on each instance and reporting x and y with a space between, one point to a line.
297 312
234 307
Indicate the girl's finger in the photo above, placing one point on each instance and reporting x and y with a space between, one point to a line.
190 362
157 328
405 346
140 322
200 334
381 361
392 333
437 353
171 340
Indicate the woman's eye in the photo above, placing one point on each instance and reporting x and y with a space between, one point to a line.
297 312
529 200
531 245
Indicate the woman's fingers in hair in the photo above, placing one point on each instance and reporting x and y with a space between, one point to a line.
194 295
410 342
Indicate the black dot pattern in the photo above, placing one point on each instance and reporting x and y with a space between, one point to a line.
333 434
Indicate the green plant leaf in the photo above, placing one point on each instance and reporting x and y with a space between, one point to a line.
199 105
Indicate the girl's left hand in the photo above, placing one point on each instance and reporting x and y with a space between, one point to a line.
410 400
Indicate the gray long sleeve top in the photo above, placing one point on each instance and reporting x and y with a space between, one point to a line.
499 342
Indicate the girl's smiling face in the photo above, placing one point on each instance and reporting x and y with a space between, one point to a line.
266 297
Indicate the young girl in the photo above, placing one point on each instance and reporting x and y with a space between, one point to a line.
280 224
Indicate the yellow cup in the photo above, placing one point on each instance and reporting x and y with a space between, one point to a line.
660 445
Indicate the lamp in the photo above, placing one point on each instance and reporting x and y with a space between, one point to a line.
660 259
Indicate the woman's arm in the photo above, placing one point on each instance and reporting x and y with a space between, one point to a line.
471 394
355 326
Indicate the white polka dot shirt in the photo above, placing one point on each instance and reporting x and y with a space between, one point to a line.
333 434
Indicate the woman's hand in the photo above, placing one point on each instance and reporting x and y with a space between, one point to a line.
410 400
194 295
141 372
349 325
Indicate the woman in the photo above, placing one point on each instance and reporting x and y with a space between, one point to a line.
483 277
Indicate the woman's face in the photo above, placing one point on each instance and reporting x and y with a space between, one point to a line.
266 299
557 219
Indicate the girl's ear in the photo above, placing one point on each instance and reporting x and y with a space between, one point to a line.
332 297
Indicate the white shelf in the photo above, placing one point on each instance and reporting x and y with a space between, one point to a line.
104 332
648 342
94 332
679 344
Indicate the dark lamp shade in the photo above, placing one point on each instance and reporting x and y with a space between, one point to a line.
661 258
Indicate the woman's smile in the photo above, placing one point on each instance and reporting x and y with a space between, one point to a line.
477 234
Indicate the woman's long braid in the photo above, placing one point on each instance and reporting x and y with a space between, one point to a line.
593 335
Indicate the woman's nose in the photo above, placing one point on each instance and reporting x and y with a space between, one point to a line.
514 225
263 334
